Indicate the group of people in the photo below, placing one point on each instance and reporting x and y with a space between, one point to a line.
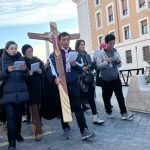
22 90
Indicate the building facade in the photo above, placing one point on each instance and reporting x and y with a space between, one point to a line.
128 20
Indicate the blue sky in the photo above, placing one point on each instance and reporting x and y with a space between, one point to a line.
21 16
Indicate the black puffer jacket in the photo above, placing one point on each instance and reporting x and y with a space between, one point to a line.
35 82
14 88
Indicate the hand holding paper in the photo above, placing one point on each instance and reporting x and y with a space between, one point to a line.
35 66
72 59
19 65
72 56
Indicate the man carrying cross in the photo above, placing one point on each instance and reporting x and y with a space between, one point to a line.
72 72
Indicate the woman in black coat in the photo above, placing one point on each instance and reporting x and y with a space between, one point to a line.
34 86
14 91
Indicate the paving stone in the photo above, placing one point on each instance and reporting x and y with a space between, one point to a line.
115 134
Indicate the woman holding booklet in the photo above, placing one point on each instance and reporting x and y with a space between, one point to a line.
36 69
14 91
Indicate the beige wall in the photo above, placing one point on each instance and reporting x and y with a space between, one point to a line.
117 26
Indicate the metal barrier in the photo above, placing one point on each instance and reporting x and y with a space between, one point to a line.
129 73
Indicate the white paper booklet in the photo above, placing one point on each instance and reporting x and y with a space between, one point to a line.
35 66
72 56
18 64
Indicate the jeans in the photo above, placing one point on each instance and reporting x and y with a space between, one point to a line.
14 119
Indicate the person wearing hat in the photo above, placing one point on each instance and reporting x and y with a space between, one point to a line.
102 45
35 88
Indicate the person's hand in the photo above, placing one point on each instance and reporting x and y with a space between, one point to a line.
58 81
30 73
109 60
23 67
11 68
39 71
84 69
73 63
94 60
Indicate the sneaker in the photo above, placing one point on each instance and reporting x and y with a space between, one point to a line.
110 116
97 121
11 148
127 116
87 134
66 134
24 118
19 138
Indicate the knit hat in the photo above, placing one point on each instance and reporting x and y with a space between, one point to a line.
25 47
102 45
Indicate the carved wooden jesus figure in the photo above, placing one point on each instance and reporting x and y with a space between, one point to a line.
53 38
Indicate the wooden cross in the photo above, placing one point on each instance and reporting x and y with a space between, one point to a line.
53 38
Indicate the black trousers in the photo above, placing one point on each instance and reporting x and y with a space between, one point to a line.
108 87
75 102
14 118
90 96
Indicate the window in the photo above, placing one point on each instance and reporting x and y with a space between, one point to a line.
100 39
141 3
98 19
97 2
126 33
124 7
110 13
146 53
144 27
128 56
149 4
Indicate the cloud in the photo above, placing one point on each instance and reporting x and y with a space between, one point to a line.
22 12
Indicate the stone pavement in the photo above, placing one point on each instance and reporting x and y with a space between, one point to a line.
115 134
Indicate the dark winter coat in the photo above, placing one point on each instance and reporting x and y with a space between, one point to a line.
50 104
35 81
14 88
75 71
87 62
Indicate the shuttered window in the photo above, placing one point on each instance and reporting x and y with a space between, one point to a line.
146 53
110 13
124 7
128 56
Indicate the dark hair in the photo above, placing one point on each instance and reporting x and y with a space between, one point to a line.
78 42
25 47
63 34
9 43
109 37
1 52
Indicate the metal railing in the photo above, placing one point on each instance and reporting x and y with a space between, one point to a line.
127 73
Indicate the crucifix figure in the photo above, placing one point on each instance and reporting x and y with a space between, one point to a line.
53 38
